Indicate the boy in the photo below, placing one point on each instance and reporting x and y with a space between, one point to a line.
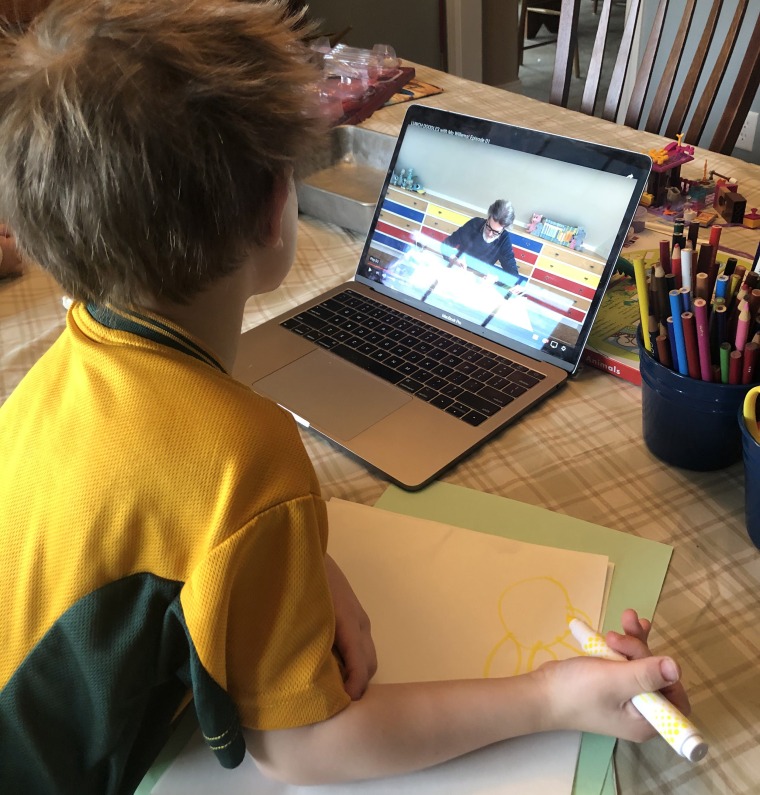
163 530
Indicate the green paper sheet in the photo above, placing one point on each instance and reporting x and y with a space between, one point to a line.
610 782
640 569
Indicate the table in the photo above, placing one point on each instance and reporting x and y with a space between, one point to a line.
580 453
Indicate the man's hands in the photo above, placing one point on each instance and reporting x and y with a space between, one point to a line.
353 637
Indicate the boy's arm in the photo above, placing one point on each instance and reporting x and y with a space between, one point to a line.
399 728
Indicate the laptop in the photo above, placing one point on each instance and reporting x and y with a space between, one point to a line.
437 343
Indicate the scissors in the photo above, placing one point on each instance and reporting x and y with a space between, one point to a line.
750 417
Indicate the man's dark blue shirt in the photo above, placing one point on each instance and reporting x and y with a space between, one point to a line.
467 243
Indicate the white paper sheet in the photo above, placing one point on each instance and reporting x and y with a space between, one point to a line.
445 603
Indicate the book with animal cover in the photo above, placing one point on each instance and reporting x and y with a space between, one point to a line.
611 345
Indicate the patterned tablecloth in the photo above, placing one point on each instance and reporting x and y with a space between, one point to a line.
580 453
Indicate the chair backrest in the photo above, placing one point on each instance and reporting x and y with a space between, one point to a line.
694 48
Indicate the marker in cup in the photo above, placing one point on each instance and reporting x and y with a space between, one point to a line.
679 732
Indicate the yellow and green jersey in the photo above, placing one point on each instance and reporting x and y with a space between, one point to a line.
162 532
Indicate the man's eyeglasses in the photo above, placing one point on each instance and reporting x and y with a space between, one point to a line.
491 230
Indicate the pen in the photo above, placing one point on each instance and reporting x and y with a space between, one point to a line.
679 732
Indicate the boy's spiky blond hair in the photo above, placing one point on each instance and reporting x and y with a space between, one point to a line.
139 140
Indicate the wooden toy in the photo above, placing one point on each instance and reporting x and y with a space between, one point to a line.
752 219
730 204
706 217
666 170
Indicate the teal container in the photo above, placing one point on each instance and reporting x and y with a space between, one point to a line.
687 422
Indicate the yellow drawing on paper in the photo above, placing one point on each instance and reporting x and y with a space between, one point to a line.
518 651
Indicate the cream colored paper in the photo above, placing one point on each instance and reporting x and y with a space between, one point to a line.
447 603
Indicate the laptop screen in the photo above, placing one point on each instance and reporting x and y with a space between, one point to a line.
508 232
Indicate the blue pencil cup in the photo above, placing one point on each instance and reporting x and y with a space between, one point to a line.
751 454
686 422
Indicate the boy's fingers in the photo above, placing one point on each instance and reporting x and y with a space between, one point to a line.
628 645
633 625
663 674
670 670
356 681
653 673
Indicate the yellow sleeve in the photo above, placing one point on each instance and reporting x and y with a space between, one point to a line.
260 614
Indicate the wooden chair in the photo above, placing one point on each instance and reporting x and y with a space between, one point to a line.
682 47
528 7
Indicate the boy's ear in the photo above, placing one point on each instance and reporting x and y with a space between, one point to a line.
282 185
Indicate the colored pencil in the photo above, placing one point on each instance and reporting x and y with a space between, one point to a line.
686 255
735 367
681 360
689 326
665 256
671 335
742 327
663 351
703 338
675 264
641 290
750 361
725 353
700 288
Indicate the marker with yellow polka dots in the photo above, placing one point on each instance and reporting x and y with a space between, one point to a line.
682 735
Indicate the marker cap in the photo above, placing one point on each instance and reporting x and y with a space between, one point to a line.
694 748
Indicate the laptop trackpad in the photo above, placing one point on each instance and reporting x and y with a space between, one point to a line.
334 396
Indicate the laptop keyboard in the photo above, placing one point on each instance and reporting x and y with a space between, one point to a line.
458 377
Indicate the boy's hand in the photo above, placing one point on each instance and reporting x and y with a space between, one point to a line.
353 637
595 695
633 644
